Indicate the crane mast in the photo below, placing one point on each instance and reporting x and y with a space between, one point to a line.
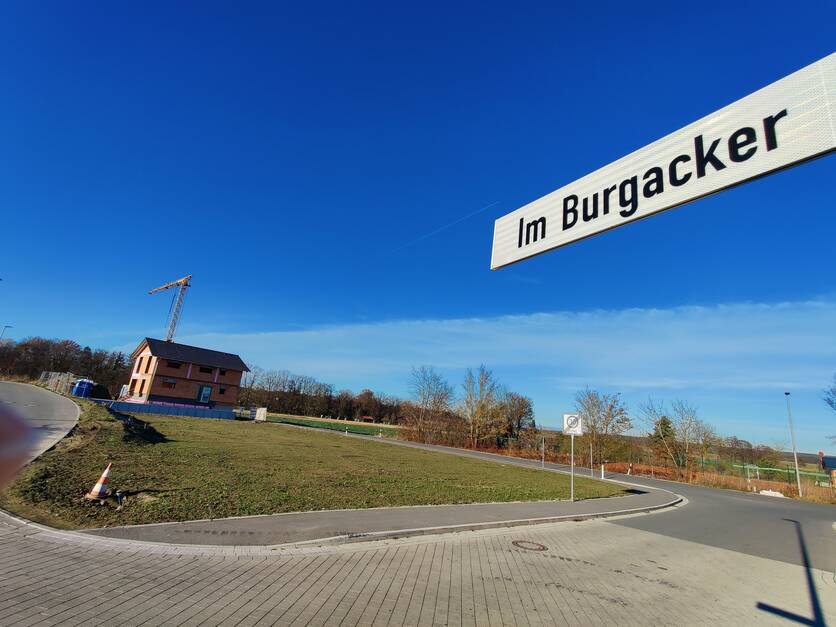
177 306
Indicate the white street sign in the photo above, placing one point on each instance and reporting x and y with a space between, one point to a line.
572 424
788 122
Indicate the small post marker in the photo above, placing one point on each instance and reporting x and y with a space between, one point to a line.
543 458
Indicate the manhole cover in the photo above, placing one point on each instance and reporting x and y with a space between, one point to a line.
529 546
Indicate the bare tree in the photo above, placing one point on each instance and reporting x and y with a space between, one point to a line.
706 439
516 414
604 416
432 397
686 425
660 430
479 402
679 432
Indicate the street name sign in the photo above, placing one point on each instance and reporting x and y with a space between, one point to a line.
786 123
572 424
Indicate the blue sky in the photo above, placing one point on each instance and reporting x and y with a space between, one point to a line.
301 161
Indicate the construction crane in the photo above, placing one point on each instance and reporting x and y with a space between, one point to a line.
177 304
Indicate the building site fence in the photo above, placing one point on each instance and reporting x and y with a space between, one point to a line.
170 409
60 382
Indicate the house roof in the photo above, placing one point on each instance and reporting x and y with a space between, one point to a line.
194 355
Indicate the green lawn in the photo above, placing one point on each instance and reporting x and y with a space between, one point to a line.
198 468
351 427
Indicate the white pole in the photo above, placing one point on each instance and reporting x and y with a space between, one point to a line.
543 458
602 470
792 436
572 463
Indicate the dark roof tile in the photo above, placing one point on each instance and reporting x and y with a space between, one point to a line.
195 355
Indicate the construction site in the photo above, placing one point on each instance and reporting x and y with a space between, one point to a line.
167 377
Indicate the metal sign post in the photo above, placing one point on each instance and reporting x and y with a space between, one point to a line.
572 463
572 426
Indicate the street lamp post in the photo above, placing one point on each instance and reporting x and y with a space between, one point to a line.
3 332
792 437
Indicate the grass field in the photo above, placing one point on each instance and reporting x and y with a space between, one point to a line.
335 425
191 468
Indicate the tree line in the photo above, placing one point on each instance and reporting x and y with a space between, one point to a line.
484 413
283 392
480 412
30 357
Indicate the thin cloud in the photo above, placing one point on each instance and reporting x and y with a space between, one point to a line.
734 360
748 345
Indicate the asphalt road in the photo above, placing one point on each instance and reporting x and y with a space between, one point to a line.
757 525
51 416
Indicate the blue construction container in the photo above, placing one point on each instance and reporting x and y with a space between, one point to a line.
83 388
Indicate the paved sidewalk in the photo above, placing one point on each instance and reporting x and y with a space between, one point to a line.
589 573
380 522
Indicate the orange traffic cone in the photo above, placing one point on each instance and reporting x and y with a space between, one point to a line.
99 491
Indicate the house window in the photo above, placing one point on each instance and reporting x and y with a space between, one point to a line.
138 365
205 370
168 383
222 372
221 390
141 387
173 364
204 393
147 365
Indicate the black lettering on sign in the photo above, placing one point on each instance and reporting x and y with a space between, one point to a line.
673 174
607 191
655 182
740 139
704 158
630 199
534 230
570 208
769 128
587 214
741 146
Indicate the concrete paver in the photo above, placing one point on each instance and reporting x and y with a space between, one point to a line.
593 572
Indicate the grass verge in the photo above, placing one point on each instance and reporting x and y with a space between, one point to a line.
342 426
190 468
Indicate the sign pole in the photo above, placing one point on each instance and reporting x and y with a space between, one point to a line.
591 469
543 458
572 426
572 462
